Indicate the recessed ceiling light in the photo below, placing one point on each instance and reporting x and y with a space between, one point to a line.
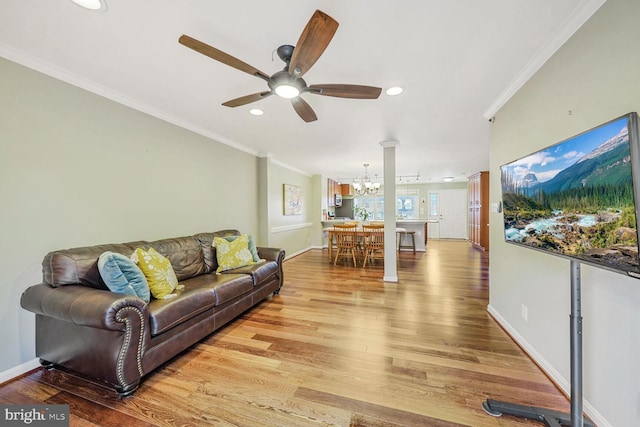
394 90
92 4
256 112
447 179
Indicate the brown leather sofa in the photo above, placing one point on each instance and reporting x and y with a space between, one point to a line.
117 338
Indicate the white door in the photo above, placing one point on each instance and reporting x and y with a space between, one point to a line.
451 213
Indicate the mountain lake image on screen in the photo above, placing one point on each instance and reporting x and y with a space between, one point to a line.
577 198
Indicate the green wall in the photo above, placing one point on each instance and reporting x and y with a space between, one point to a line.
294 232
77 169
592 79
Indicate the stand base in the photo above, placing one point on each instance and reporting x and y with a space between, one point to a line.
548 417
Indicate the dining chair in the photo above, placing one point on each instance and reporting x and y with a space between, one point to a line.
331 237
346 241
353 225
346 225
331 242
373 242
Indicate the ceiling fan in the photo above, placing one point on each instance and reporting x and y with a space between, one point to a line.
288 82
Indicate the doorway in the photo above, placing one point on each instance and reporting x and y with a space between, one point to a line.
449 209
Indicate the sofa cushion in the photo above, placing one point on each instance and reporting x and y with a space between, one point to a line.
80 265
232 254
185 255
122 275
158 271
260 272
199 294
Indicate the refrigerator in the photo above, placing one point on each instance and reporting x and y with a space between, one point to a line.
346 210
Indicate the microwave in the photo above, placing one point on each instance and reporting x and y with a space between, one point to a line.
338 200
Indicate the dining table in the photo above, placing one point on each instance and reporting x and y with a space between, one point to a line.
360 233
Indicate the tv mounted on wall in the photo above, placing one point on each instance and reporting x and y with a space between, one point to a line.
579 198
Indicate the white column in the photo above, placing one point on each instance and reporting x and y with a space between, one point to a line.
389 180
264 232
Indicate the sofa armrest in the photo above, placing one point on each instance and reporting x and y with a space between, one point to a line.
85 306
95 332
277 255
272 254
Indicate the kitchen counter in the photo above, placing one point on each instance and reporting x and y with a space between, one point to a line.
417 221
419 226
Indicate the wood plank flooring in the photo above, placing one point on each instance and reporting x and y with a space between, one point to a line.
337 347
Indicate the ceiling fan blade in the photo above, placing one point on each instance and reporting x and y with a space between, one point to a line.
248 99
314 39
220 56
304 110
346 91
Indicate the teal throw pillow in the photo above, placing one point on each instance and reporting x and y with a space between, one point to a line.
123 276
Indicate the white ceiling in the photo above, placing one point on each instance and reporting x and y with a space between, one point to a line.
458 61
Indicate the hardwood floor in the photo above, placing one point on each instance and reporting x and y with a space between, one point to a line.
337 347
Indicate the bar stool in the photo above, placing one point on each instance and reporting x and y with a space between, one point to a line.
403 232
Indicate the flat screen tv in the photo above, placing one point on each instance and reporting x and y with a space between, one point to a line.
579 198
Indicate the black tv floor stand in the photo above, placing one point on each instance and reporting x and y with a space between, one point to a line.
547 416
550 418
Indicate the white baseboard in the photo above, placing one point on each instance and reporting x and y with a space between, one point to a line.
548 369
16 371
301 251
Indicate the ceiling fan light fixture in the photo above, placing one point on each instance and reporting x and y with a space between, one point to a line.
288 83
394 90
256 112
287 91
286 86
97 5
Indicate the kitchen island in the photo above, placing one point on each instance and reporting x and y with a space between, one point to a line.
419 226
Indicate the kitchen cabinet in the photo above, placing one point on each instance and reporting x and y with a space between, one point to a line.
479 210
333 188
346 190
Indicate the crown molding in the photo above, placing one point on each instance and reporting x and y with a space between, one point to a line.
291 168
566 31
67 76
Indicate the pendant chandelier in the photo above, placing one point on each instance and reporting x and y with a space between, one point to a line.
364 186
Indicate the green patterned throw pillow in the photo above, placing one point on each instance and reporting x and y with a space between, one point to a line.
158 271
232 254
252 245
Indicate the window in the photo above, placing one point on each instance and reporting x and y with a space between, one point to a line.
407 206
373 204
433 204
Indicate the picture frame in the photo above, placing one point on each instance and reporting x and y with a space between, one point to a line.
292 199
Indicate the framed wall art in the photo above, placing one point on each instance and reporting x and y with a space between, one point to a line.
292 199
